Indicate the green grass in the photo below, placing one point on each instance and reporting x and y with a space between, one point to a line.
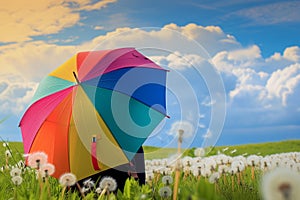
249 149
190 187
261 148
158 153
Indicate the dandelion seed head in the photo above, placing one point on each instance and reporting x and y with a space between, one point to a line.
98 190
187 161
143 196
8 153
15 172
67 179
222 169
37 159
199 152
281 183
17 180
167 180
109 183
165 192
205 172
253 160
214 177
233 170
89 183
239 165
149 176
47 169
5 144
85 189
21 164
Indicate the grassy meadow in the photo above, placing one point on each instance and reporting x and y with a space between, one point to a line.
262 149
224 173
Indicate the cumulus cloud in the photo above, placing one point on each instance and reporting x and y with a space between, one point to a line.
261 91
25 19
256 85
292 53
283 82
188 39
33 60
15 93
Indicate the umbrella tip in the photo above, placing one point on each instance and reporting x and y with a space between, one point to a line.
76 77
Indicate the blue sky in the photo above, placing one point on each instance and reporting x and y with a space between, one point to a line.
253 47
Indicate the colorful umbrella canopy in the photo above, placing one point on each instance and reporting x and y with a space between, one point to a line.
95 111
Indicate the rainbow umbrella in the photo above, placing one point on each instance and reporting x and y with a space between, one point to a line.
95 111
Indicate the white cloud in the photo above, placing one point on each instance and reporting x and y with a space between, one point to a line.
261 83
245 55
98 28
292 53
257 83
33 60
24 19
226 61
283 82
272 13
179 61
15 93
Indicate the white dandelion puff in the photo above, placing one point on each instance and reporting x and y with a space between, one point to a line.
281 183
143 196
167 180
85 190
47 169
205 172
37 159
89 183
5 144
239 165
17 180
199 152
98 190
253 160
149 176
15 172
222 169
187 161
8 153
214 177
165 192
109 183
21 164
67 179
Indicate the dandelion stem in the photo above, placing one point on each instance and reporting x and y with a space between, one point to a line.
79 188
252 173
6 162
63 192
103 192
232 182
177 173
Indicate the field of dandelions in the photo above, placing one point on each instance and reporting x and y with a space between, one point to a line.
196 174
